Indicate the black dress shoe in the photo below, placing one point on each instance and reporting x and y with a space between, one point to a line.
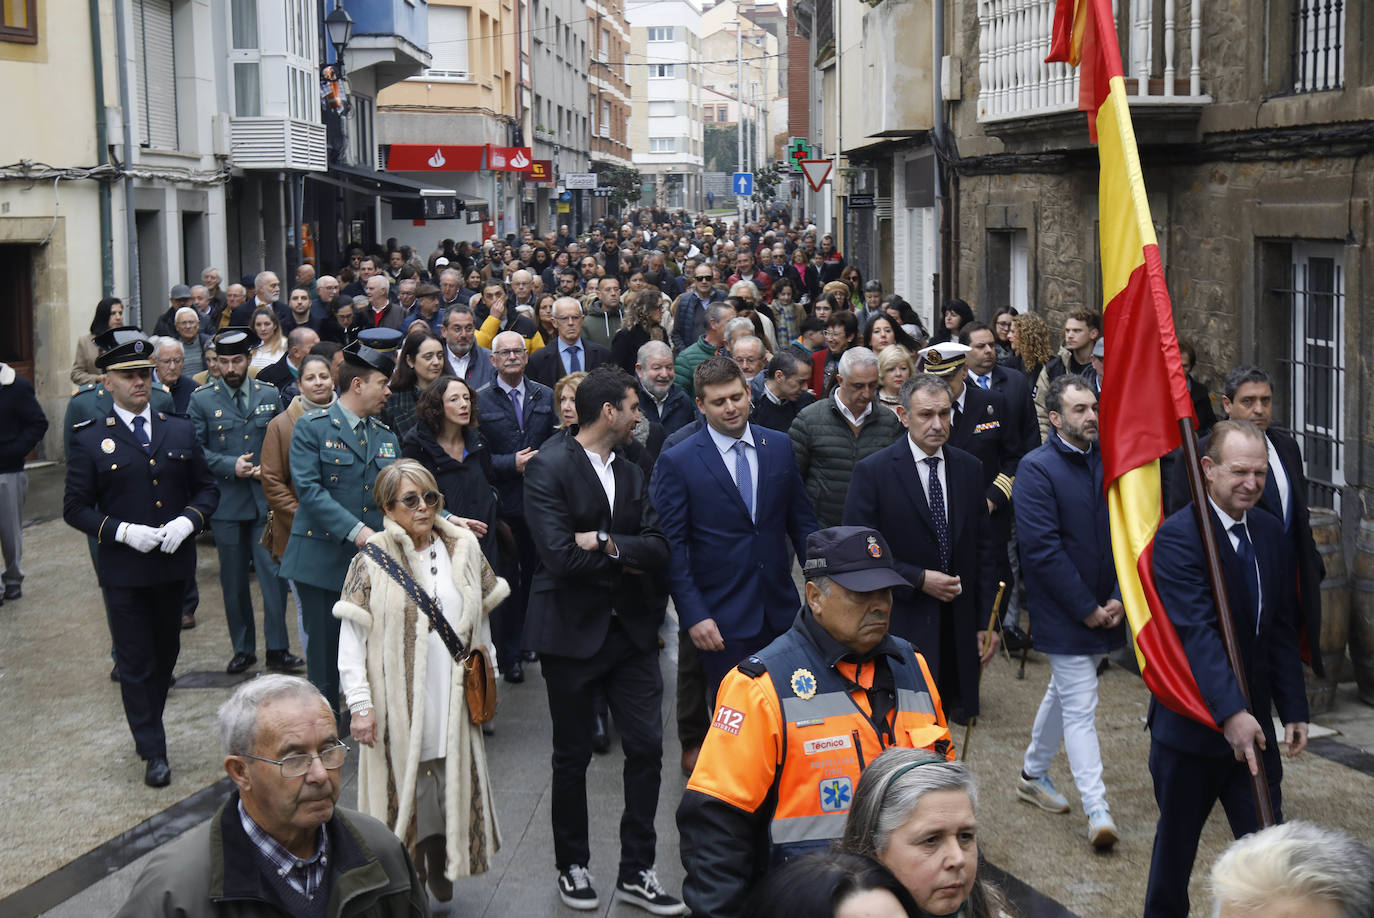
529 656
13 591
158 773
601 741
284 661
240 662
516 674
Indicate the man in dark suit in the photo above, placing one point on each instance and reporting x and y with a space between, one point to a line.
266 292
465 358
570 352
137 482
1195 765
517 417
734 508
779 392
1023 432
1249 396
928 500
594 613
982 426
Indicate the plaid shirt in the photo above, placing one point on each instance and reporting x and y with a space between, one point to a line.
305 877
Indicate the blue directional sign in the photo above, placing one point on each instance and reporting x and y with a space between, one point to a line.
565 197
742 183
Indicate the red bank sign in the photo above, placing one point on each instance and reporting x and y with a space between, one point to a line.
509 159
416 157
541 171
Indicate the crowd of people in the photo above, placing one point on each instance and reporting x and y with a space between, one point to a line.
461 464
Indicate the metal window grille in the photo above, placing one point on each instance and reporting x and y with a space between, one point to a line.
1316 371
1318 52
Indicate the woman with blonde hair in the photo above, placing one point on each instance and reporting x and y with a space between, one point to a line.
895 367
266 325
913 812
416 597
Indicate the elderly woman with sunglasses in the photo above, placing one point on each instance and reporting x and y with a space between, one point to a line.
423 768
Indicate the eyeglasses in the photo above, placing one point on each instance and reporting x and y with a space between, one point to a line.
509 352
705 277
293 766
412 500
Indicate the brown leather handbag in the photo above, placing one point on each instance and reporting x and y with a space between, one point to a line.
479 679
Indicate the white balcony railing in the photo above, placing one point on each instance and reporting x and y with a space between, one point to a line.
278 143
1014 38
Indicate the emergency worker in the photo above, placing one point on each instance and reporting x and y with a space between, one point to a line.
796 724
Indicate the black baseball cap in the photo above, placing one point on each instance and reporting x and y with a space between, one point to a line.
855 557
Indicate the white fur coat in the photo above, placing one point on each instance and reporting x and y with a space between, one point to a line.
393 624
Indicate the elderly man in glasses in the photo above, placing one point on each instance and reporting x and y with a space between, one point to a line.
279 844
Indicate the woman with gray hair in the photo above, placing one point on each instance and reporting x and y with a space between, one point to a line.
1296 869
913 812
417 596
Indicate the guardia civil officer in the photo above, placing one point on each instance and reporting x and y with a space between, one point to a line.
231 415
336 453
138 483
91 402
796 724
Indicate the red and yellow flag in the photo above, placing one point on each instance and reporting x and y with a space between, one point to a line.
1144 391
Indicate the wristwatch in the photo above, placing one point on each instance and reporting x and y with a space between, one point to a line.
602 537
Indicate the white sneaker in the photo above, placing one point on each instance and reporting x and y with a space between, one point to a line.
1042 792
1101 830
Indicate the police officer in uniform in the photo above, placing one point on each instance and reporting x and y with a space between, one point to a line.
336 453
93 402
796 724
231 416
138 483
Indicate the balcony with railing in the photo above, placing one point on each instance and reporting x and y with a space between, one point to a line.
1161 42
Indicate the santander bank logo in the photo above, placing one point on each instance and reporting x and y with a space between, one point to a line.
437 160
519 161
498 161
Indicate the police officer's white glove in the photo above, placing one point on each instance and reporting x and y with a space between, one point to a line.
139 537
175 532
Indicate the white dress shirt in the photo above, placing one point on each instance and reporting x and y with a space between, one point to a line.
1228 521
849 415
923 470
726 445
128 418
459 365
604 473
1281 482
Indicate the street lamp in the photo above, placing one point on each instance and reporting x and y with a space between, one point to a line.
339 26
739 110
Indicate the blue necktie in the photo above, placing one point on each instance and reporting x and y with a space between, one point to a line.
743 479
937 512
1246 553
141 432
984 381
515 402
574 361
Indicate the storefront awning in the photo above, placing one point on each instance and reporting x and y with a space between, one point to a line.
409 199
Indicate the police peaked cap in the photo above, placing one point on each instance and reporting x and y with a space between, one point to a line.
124 348
235 340
375 349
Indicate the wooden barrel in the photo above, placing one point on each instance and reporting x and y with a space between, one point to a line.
1362 613
1335 634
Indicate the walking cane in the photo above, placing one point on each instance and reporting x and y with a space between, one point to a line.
1025 650
987 640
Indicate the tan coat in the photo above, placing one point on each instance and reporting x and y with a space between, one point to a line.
276 475
84 369
397 633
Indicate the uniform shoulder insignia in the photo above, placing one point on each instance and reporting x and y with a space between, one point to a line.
163 387
109 422
381 425
79 425
162 415
314 414
203 386
752 667
87 387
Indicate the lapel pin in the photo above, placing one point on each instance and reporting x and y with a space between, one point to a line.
107 445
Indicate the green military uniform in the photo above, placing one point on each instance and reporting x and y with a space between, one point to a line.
230 423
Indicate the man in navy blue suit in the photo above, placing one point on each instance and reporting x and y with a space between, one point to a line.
730 499
1194 765
928 500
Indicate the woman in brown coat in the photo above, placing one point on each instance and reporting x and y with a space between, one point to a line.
317 391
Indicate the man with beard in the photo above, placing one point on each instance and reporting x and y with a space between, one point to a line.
466 359
231 416
660 400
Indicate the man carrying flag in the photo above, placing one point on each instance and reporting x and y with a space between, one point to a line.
1145 413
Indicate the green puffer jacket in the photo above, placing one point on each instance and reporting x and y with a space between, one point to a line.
827 451
685 366
215 871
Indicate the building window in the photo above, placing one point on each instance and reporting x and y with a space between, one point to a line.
1008 272
661 109
1315 364
662 144
661 71
605 119
709 114
660 33
603 47
19 21
1318 51
448 43
157 88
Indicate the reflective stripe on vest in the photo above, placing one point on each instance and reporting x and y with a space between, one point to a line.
828 740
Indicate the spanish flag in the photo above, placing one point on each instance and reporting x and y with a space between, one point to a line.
1144 391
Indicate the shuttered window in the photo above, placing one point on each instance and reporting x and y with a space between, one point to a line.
448 42
157 92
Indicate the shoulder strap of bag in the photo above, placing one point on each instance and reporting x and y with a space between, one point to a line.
426 604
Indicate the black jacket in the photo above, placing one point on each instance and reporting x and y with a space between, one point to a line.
574 590
22 423
546 364
466 485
